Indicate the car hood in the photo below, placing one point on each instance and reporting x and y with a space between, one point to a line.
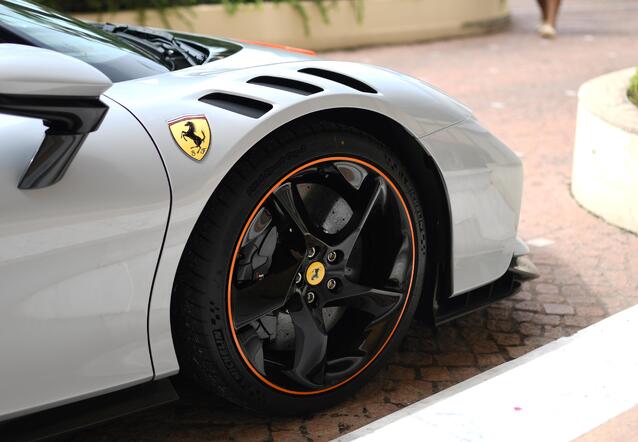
241 54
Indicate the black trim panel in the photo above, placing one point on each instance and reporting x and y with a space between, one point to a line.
345 80
286 84
240 105
521 269
461 305
89 412
69 121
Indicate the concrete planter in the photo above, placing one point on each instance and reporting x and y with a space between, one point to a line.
605 174
385 22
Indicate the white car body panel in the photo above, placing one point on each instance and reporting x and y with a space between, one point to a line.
473 163
484 180
77 261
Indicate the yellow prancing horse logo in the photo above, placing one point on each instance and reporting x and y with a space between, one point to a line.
315 273
192 135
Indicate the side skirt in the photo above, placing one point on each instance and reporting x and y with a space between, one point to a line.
89 412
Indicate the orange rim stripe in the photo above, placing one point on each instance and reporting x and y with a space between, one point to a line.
237 247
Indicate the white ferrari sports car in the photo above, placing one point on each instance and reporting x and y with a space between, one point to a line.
260 220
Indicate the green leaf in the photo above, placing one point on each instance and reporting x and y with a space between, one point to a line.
632 93
179 9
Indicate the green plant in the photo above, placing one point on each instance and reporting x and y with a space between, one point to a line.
141 6
632 92
324 7
175 6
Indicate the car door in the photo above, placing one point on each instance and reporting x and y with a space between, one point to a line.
77 262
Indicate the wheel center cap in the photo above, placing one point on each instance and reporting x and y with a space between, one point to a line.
315 273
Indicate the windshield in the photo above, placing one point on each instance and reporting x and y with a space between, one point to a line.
23 22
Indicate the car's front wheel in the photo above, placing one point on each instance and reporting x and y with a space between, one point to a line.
303 272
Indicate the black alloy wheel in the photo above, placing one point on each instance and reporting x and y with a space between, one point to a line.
321 275
303 272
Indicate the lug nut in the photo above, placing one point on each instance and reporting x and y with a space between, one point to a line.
331 284
298 278
310 297
332 256
312 252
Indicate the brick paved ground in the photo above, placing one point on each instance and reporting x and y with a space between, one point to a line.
523 89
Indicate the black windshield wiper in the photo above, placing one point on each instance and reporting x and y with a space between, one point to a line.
174 53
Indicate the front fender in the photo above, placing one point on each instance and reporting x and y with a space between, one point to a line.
156 100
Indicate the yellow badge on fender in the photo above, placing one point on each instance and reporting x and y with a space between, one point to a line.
192 135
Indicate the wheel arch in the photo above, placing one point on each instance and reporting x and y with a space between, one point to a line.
430 185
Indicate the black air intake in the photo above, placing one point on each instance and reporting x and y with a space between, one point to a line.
286 84
240 105
339 78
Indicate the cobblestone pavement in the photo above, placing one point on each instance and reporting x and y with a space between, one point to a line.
523 89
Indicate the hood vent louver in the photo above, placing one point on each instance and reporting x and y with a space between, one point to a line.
286 84
339 78
240 105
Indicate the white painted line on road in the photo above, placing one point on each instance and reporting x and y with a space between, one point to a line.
540 242
555 393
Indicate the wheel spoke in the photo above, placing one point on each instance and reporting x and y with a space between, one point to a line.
351 173
338 368
401 268
377 198
311 342
257 247
342 177
253 348
263 297
377 302
285 197
334 178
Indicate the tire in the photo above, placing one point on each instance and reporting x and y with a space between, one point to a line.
286 368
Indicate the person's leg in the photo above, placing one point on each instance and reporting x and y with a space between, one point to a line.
552 11
543 5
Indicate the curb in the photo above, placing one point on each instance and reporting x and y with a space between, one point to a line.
555 393
605 167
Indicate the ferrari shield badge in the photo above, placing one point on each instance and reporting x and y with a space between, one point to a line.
192 135
315 273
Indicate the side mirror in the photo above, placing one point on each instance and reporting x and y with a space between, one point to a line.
60 90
